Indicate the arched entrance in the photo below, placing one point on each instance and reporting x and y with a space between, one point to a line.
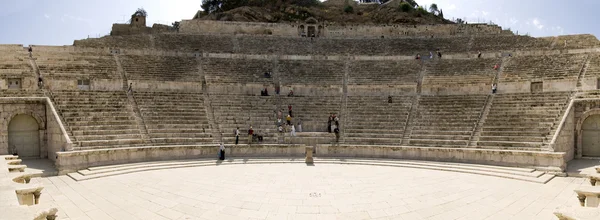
23 135
590 136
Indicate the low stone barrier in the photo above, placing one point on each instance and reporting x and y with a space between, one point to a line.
72 161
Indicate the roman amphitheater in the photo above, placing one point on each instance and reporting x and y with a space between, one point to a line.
129 126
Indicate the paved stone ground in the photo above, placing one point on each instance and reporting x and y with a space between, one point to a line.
298 191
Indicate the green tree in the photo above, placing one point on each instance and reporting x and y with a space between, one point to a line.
433 8
406 7
441 14
349 9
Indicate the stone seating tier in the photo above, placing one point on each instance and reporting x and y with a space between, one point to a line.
576 41
508 43
98 119
160 68
457 114
236 70
174 118
14 63
242 111
313 72
546 67
312 111
383 72
522 120
130 41
372 120
68 65
453 72
593 69
200 43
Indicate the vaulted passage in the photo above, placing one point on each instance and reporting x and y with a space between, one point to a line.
23 136
591 136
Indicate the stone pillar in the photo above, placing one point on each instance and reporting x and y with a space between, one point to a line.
592 201
309 154
36 196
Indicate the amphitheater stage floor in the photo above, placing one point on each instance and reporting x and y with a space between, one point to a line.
297 191
582 167
40 167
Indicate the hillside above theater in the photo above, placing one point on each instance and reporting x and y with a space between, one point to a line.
331 11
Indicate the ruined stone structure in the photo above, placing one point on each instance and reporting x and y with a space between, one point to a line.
192 89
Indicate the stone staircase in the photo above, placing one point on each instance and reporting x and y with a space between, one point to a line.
174 117
545 67
232 111
160 68
75 65
524 174
446 121
99 119
372 120
477 130
522 121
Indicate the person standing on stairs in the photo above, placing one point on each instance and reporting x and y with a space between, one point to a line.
478 54
293 131
237 135
30 51
329 121
494 88
290 110
250 133
289 120
222 151
130 88
299 125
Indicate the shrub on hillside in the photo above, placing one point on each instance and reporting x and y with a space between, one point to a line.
405 7
349 9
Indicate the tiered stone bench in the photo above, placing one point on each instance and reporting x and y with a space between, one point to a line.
546 67
237 71
446 120
160 68
311 72
56 64
14 62
372 120
459 76
313 111
99 119
174 117
200 43
522 121
378 73
232 111
508 43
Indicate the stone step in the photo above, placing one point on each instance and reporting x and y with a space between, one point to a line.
98 123
523 174
513 133
180 131
180 135
181 140
358 130
109 142
374 140
177 126
95 114
133 135
449 132
438 142
512 138
577 213
510 144
97 118
90 128
373 135
440 128
105 132
440 137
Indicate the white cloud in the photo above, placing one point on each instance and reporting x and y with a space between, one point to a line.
537 23
47 16
513 21
452 7
485 13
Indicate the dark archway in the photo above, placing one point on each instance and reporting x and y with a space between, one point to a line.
590 136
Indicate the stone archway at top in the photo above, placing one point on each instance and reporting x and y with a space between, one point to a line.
23 135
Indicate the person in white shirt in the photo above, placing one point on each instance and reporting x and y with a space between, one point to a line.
222 152
293 133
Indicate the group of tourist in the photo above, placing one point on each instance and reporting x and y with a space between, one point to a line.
333 125
288 125
265 91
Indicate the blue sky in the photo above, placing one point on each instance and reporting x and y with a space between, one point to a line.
59 22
